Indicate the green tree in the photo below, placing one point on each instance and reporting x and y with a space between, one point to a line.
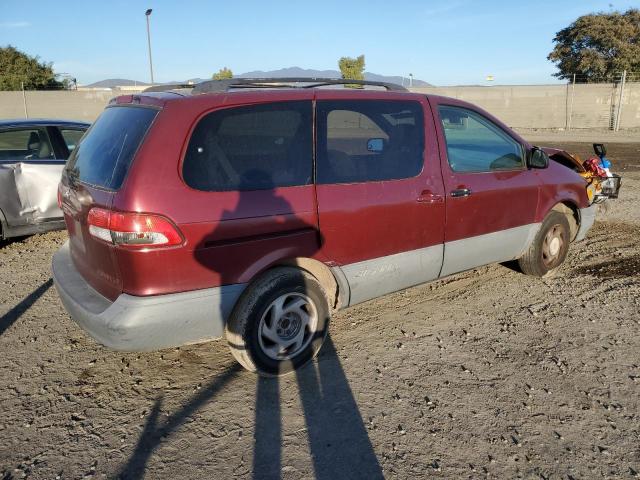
352 68
598 45
223 74
17 67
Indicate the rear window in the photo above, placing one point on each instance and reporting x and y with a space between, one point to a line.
104 154
257 147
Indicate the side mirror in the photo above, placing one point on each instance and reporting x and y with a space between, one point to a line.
538 158
375 145
599 149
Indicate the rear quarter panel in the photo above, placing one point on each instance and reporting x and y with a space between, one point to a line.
229 236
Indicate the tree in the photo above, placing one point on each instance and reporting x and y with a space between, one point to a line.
352 68
223 74
17 67
598 45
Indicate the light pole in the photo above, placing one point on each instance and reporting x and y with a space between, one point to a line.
410 80
148 14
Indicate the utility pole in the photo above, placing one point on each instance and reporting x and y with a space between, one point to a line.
619 114
24 101
573 94
148 14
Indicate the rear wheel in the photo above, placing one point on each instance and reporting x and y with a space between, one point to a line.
279 323
549 248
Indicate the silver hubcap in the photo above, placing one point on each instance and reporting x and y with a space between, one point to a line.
552 245
287 326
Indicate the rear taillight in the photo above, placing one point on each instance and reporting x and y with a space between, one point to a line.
59 198
133 230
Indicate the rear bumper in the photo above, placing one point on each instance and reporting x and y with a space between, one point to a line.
587 218
142 323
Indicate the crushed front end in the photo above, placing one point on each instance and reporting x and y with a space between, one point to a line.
602 184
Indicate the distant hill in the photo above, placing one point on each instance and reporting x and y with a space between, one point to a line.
307 72
283 72
291 72
115 82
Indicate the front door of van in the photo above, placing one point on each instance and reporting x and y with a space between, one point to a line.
379 189
491 195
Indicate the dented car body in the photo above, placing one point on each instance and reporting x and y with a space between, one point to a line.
32 156
602 184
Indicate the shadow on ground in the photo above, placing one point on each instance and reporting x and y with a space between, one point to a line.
618 268
8 241
16 312
337 438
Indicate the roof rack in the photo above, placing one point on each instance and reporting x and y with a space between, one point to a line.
212 86
168 86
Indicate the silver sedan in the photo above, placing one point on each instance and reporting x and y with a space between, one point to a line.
32 156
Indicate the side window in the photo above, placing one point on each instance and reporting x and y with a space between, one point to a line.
475 144
25 144
71 137
256 147
369 140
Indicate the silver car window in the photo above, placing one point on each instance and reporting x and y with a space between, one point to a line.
25 144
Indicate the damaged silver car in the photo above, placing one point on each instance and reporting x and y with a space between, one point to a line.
32 156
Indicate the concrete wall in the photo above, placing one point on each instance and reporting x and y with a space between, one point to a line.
73 105
521 106
552 106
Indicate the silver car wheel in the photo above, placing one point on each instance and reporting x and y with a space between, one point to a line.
287 326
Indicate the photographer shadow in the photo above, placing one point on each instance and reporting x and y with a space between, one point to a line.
337 438
338 441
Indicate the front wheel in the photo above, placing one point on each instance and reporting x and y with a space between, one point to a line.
279 323
549 248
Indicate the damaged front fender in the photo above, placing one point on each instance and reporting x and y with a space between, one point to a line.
601 183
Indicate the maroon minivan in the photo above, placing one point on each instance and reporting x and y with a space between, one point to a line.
256 212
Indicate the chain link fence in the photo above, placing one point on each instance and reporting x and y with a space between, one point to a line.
617 96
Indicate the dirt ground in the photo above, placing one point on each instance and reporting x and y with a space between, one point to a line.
488 373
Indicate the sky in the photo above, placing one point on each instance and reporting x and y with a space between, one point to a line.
444 42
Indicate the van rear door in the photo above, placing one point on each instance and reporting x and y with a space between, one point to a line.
96 170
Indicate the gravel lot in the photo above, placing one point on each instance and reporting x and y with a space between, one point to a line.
488 373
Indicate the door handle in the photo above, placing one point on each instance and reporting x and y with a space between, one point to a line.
428 197
460 192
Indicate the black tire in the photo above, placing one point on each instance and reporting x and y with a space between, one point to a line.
253 315
549 248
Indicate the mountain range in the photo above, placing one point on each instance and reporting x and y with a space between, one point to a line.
281 73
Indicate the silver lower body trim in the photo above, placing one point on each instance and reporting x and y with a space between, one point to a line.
502 246
379 276
134 323
376 277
